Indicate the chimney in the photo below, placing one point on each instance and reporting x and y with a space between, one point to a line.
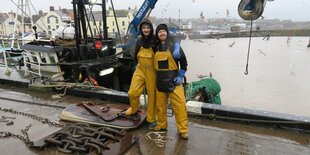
64 10
52 8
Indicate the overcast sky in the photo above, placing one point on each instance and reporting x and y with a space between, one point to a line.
296 10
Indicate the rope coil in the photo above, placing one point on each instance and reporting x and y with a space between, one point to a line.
159 138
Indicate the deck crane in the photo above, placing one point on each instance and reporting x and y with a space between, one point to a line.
133 31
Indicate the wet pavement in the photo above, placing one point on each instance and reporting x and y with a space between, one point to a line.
205 137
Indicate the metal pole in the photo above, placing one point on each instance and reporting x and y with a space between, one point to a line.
23 21
104 19
77 28
15 23
7 71
116 22
30 14
179 19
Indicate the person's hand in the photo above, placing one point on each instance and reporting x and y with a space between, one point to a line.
176 52
179 79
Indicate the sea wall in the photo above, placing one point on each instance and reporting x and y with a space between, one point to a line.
261 33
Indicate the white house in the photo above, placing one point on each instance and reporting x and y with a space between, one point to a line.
8 25
52 20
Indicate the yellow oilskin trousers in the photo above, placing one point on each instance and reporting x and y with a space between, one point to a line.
143 75
177 97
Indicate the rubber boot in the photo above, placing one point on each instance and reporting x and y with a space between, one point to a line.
184 136
128 112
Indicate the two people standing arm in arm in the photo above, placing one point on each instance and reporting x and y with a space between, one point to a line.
161 67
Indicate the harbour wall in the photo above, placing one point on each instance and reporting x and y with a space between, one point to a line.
260 33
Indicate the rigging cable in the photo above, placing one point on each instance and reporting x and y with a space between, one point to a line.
39 18
27 14
91 15
249 48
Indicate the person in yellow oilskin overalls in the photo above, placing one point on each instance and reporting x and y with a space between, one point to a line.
169 80
144 73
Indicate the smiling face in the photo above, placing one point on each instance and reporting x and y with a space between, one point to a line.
162 35
146 29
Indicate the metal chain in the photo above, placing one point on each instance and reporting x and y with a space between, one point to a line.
129 117
33 116
25 139
137 144
33 103
85 139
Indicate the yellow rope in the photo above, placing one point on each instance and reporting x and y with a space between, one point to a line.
160 138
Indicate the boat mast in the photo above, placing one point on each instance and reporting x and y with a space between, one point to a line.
15 21
22 5
104 20
80 26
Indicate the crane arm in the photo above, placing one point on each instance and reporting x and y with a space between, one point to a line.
133 30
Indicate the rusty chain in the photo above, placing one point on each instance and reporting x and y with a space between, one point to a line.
83 138
134 117
33 116
137 144
24 138
92 141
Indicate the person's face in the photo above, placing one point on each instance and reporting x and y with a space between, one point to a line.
146 29
162 35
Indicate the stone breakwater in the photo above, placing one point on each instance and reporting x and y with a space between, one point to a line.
261 33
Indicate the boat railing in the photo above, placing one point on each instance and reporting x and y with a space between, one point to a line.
7 41
29 56
37 61
5 62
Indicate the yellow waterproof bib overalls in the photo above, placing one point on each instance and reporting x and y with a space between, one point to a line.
144 74
166 70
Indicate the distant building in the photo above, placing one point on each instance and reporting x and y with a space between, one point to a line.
241 25
7 22
3 17
235 29
124 17
186 26
54 19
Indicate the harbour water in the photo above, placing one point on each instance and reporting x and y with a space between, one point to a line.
278 72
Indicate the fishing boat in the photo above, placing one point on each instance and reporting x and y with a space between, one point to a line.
85 58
